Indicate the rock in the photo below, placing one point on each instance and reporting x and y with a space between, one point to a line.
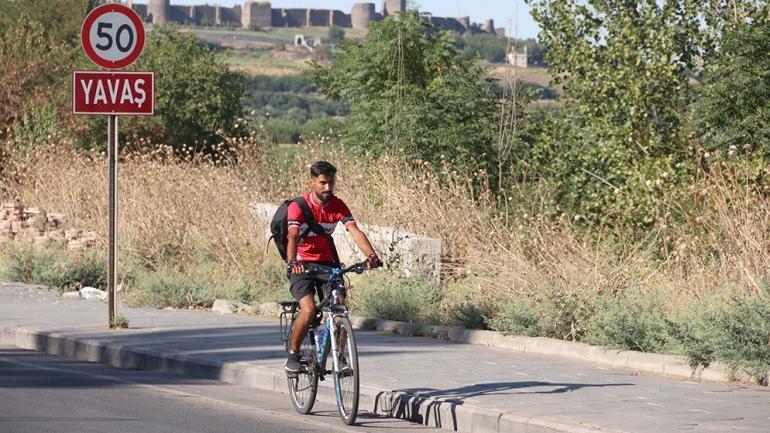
71 295
56 235
55 219
243 308
222 307
270 309
72 234
90 293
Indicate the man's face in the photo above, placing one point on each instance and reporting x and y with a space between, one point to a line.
323 187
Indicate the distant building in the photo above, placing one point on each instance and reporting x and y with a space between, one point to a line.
518 59
260 14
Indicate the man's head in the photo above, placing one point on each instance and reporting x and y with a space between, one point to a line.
322 178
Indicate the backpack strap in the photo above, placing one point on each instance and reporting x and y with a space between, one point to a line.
313 225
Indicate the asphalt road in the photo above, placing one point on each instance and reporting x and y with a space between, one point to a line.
41 394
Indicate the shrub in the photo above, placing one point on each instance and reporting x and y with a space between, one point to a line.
55 266
630 321
735 331
167 286
390 295
335 35
515 317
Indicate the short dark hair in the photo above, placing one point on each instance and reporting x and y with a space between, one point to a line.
322 168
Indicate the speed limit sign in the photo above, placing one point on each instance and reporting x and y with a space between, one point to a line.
112 36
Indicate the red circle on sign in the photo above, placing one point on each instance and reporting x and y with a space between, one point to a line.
85 36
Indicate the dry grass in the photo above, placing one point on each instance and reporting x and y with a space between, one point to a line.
172 209
169 208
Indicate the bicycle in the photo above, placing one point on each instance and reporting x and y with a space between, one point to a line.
315 348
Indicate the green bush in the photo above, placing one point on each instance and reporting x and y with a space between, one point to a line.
489 47
335 35
169 286
515 317
390 295
630 321
55 266
736 332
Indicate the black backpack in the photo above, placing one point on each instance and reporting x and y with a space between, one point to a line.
279 228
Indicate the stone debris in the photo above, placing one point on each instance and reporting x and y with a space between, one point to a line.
40 228
269 309
222 307
93 294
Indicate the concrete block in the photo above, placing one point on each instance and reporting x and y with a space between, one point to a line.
510 423
648 362
414 254
486 421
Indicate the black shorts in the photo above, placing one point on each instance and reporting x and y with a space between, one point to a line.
304 284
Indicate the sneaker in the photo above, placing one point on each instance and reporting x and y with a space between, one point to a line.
343 364
293 364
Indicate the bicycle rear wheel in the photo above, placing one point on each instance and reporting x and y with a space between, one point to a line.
303 386
346 381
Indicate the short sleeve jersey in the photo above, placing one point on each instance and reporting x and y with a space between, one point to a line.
314 248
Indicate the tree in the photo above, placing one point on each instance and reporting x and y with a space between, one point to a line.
733 109
410 94
197 98
335 35
62 18
34 69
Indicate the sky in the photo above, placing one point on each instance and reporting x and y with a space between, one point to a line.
502 11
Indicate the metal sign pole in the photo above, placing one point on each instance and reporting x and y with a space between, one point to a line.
112 268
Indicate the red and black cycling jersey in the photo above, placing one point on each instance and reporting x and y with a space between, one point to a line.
314 248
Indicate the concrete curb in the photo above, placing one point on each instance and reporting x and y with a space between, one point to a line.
427 411
664 365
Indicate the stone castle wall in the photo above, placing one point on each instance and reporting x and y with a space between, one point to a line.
256 13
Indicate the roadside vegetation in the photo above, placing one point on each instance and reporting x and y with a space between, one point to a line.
635 215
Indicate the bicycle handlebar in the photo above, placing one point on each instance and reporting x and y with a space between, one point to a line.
314 269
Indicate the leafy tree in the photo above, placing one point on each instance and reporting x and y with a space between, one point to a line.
335 35
625 67
410 94
62 18
34 69
197 98
488 47
734 104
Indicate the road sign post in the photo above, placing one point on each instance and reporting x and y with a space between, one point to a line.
113 38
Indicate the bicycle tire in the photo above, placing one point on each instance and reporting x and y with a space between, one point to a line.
303 386
346 383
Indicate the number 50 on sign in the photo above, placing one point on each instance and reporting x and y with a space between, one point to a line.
112 36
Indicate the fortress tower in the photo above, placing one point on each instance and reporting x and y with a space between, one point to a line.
361 15
393 7
159 10
258 13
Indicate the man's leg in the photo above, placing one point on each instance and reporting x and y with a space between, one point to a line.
307 312
302 289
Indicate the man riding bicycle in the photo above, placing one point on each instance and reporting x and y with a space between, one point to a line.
305 246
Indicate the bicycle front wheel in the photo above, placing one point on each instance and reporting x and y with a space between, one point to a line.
303 386
346 377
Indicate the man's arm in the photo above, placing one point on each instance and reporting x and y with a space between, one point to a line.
291 252
361 240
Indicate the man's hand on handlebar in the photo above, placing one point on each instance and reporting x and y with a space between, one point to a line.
372 261
296 267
